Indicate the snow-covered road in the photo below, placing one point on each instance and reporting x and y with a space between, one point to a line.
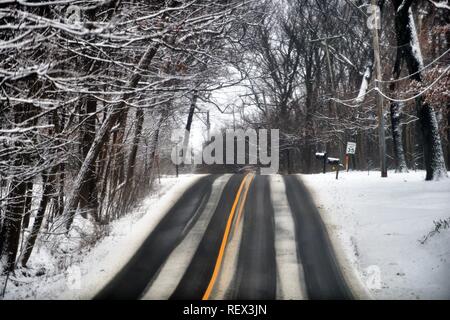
275 245
235 238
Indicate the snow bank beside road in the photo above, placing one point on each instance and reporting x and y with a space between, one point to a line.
380 222
91 269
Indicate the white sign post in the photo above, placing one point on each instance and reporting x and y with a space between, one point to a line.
351 148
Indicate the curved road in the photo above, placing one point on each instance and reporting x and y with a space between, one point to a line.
235 237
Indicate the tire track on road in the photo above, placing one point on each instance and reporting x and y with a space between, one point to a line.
132 280
255 276
198 275
170 274
323 277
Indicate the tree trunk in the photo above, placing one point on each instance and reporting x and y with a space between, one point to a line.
433 154
118 154
397 142
88 191
154 152
188 126
366 79
59 199
16 203
448 135
10 233
101 136
128 193
134 148
48 181
408 44
27 209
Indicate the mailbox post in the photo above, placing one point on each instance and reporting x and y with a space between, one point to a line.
335 162
322 156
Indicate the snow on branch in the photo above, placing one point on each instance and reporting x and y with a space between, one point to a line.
440 4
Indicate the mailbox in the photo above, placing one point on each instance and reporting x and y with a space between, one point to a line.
331 161
334 161
321 155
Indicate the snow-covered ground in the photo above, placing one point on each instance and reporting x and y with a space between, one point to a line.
379 222
82 273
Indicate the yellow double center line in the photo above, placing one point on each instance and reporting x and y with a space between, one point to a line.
227 232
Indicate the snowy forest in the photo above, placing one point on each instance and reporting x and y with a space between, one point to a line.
91 89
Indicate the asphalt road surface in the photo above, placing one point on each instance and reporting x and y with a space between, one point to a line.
235 237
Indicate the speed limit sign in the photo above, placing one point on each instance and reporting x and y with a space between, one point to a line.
351 147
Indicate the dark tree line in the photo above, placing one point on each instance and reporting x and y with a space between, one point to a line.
88 89
311 65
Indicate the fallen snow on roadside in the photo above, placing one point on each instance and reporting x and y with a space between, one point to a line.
89 269
380 221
